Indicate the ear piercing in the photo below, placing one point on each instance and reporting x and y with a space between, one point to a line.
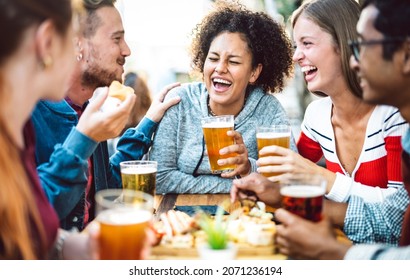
47 61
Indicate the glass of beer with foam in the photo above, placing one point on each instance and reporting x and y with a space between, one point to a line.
278 135
139 175
215 129
124 216
303 195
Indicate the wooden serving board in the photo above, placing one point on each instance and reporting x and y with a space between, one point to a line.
245 251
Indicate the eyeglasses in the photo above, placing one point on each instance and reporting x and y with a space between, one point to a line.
355 44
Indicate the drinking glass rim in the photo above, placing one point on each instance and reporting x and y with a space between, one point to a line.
269 128
139 162
298 177
274 126
217 117
147 199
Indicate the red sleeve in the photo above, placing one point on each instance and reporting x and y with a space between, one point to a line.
394 149
309 149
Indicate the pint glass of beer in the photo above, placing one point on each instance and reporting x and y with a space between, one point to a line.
124 216
278 135
303 195
139 175
215 129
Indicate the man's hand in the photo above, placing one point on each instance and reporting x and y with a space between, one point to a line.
158 107
265 190
102 125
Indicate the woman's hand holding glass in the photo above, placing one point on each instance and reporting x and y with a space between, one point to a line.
243 166
81 245
289 163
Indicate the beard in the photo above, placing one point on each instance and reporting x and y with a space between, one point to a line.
97 77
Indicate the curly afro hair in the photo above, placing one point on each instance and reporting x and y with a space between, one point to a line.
267 40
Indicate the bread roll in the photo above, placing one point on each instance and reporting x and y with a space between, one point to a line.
119 91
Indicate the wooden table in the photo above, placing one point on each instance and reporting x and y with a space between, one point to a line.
163 203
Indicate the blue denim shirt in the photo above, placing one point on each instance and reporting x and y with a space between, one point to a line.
62 154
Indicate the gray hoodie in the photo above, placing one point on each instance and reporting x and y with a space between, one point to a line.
179 147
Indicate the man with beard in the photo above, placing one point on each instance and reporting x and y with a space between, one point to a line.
72 160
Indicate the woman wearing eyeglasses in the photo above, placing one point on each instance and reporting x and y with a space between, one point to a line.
360 142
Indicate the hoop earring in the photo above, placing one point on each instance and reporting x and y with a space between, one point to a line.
79 57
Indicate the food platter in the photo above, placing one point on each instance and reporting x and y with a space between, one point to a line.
252 234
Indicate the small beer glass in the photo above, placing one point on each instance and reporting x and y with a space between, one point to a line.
278 135
303 195
139 175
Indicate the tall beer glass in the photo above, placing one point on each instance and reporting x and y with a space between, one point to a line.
278 135
139 175
303 195
124 216
215 129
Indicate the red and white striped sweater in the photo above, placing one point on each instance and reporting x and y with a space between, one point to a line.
379 164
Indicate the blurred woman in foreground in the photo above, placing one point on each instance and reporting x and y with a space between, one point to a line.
33 65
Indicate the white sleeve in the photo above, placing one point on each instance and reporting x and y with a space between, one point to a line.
344 186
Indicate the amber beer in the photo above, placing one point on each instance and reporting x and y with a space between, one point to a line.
273 135
306 201
215 129
304 196
139 175
124 216
122 234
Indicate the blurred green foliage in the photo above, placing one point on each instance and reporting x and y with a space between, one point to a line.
286 7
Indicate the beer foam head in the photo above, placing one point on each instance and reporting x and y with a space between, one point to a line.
139 170
272 135
218 125
124 216
302 191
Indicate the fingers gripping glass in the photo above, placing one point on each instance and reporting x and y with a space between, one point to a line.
356 44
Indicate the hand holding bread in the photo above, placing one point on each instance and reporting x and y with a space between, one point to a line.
118 90
105 117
